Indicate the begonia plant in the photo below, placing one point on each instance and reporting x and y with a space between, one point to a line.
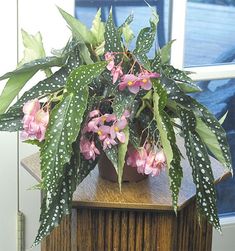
100 97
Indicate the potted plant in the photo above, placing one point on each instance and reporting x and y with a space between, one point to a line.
109 102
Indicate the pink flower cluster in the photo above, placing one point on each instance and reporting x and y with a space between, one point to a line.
108 129
147 160
35 121
88 149
132 82
135 83
116 70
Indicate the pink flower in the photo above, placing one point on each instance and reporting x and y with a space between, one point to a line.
35 121
134 83
130 81
107 127
109 56
115 130
116 73
147 160
108 117
109 142
88 149
103 132
94 124
144 79
137 159
94 113
156 164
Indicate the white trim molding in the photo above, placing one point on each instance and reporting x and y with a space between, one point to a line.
177 32
212 72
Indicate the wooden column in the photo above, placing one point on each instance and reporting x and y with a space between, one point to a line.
140 218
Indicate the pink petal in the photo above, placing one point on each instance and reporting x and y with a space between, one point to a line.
129 77
110 117
110 65
121 124
126 114
154 75
31 107
147 170
105 129
121 136
112 132
147 85
122 86
134 89
42 117
24 135
94 113
92 126
115 77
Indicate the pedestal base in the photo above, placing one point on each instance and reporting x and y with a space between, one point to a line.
129 230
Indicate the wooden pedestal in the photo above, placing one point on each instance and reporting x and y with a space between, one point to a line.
140 218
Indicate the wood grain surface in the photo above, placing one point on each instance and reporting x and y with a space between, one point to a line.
151 193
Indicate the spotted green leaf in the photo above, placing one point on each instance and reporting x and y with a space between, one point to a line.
34 66
112 38
55 207
52 84
145 39
57 204
112 154
65 122
183 80
144 43
122 150
175 169
201 168
127 21
168 140
156 63
123 101
142 59
159 102
11 121
212 131
98 28
178 97
210 140
133 135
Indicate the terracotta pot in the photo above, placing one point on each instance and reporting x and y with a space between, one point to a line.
108 172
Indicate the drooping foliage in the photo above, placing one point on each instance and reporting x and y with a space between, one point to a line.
106 99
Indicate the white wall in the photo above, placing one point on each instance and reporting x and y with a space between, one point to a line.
33 16
8 148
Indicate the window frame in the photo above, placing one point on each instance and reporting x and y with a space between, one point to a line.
177 33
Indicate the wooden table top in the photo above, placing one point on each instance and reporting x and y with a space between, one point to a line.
152 193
